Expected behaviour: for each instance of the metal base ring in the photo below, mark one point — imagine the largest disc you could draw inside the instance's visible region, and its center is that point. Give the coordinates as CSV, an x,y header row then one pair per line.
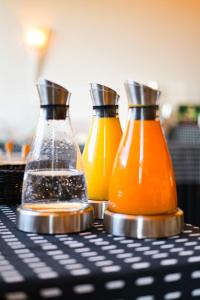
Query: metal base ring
x,y
99,207
57,222
156,226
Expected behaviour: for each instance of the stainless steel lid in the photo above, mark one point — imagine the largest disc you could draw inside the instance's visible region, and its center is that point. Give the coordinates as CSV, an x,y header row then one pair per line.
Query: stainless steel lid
x,y
51,93
103,95
140,94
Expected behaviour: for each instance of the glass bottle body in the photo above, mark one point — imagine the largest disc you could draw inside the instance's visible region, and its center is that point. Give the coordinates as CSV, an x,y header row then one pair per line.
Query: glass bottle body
x,y
54,177
142,181
100,150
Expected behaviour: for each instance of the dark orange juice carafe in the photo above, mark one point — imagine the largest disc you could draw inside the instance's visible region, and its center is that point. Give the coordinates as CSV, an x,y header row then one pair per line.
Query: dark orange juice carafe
x,y
142,194
101,146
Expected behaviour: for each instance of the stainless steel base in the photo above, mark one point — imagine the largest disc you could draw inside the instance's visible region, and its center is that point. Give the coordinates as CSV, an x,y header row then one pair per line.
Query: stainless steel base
x,y
99,208
144,226
54,222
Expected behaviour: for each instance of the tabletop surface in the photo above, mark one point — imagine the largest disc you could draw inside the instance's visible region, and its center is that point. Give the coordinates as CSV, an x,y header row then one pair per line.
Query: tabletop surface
x,y
96,265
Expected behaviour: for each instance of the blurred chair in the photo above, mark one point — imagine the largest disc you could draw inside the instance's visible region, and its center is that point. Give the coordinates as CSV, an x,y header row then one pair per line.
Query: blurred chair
x,y
184,146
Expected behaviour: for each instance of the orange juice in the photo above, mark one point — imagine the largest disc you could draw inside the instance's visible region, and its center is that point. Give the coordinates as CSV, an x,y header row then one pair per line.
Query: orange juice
x,y
99,154
142,181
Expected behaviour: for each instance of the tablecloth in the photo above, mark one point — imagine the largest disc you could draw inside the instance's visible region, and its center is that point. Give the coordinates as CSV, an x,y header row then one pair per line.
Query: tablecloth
x,y
96,265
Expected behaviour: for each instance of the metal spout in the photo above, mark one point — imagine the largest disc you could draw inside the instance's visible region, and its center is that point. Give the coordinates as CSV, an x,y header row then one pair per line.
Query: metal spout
x,y
103,95
51,93
140,94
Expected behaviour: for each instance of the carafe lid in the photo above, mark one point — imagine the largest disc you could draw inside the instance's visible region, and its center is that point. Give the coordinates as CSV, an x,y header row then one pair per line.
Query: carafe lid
x,y
103,95
140,94
51,93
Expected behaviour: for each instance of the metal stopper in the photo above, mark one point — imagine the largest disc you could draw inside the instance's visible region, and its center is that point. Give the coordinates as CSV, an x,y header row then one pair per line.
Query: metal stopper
x,y
140,94
51,93
103,95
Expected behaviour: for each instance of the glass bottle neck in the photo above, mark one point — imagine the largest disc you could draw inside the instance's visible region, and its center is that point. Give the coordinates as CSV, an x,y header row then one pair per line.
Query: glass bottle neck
x,y
54,112
110,111
144,113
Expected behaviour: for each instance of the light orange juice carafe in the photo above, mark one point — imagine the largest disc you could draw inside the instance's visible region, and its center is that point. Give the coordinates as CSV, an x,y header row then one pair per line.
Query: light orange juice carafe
x,y
142,195
101,146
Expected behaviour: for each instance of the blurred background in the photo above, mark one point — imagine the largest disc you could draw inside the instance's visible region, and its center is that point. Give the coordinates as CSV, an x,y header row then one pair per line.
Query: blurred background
x,y
77,42
96,41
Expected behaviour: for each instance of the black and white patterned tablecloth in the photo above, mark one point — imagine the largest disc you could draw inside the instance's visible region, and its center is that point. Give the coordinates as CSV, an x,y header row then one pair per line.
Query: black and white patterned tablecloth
x,y
96,265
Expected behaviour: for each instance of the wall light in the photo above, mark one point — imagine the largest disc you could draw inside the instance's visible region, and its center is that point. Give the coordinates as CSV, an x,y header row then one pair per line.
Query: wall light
x,y
37,38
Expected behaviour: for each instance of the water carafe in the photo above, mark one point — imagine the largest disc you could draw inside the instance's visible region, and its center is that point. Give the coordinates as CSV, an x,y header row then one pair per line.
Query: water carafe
x,y
101,145
142,194
54,195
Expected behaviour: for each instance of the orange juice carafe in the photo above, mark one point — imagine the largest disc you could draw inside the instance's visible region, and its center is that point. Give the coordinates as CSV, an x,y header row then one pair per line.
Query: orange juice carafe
x,y
142,194
101,146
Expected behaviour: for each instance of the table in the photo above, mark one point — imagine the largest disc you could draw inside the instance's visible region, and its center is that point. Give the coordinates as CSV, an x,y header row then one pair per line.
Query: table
x,y
96,265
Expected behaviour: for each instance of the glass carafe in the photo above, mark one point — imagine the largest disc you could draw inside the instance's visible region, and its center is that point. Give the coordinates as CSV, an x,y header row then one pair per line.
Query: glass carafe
x,y
54,183
142,181
101,145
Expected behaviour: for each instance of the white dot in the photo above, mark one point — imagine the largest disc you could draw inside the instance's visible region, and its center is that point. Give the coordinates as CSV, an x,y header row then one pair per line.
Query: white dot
x,y
109,247
104,263
172,277
173,295
67,261
80,272
47,275
102,243
142,249
54,252
190,244
158,243
176,249
83,288
167,262
149,297
132,259
124,255
61,256
82,250
116,251
14,278
195,274
134,245
196,293
151,252
181,240
141,265
96,258
144,280
51,292
194,259
185,253
127,242
86,254
74,266
16,296
167,246
160,255
76,245
111,269
194,234
116,284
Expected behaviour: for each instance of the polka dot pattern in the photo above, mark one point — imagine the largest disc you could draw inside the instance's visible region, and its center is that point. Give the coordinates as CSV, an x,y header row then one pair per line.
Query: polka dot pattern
x,y
96,265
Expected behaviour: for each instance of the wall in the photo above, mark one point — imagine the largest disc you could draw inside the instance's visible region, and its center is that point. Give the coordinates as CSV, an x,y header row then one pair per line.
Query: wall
x,y
96,41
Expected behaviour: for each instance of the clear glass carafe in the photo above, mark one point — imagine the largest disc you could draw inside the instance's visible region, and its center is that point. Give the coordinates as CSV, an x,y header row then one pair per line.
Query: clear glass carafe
x,y
54,180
